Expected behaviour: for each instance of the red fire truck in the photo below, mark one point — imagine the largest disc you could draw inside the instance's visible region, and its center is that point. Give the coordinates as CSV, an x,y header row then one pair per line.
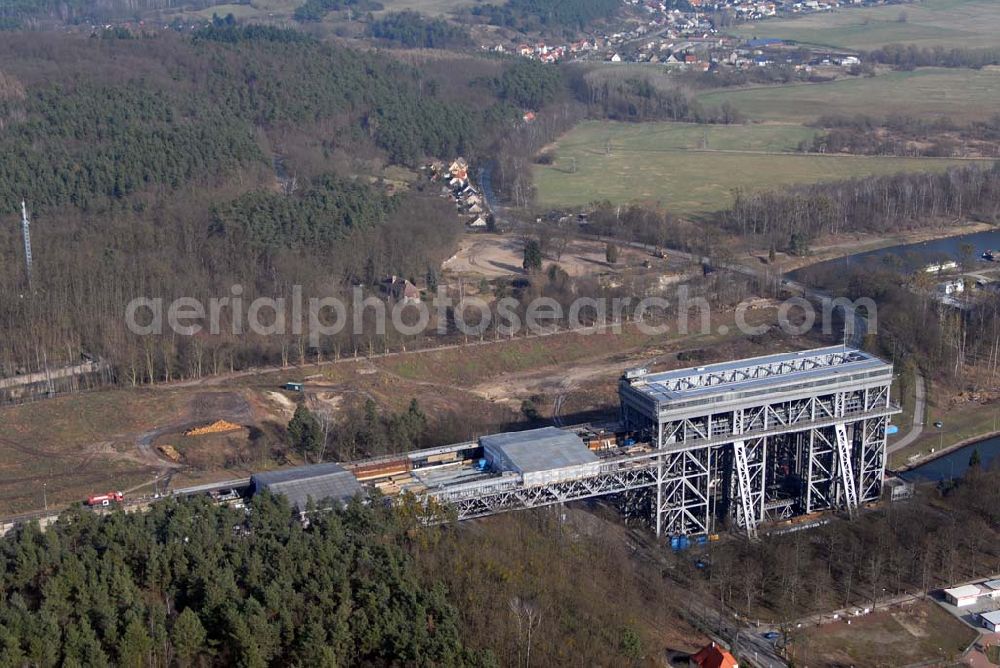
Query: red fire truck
x,y
105,499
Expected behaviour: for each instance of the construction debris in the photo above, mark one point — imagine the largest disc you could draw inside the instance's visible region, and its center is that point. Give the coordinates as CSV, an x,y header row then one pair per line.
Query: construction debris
x,y
170,452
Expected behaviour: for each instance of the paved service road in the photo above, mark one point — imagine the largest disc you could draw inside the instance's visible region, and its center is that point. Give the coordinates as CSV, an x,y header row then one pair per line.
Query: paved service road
x,y
918,418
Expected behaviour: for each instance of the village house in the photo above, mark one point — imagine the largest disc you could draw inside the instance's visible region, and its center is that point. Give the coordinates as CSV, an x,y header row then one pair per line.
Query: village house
x,y
401,290
713,656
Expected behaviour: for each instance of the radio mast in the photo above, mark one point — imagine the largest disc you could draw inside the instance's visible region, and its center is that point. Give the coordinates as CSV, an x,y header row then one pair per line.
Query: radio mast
x,y
26,233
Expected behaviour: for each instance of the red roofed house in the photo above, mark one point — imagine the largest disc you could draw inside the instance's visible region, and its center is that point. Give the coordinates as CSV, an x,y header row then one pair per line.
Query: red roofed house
x,y
713,656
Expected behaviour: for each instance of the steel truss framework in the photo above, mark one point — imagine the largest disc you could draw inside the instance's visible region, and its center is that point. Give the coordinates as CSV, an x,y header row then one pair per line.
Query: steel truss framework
x,y
768,458
490,500
688,484
771,460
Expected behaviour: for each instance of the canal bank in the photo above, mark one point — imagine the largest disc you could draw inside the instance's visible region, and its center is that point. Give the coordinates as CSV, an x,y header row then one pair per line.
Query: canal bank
x,y
953,461
912,256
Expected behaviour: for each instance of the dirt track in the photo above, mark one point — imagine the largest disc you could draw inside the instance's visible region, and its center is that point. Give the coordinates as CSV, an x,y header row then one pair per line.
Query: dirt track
x,y
494,255
203,407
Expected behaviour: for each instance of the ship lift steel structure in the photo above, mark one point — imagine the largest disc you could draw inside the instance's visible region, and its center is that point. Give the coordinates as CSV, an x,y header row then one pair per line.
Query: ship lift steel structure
x,y
749,441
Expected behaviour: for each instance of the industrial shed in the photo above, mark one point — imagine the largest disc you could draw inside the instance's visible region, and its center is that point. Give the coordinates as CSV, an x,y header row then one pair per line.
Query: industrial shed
x,y
991,621
541,456
962,596
319,481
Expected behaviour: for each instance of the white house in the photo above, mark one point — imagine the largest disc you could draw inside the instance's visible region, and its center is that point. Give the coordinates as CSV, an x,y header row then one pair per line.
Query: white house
x,y
991,621
962,596
951,287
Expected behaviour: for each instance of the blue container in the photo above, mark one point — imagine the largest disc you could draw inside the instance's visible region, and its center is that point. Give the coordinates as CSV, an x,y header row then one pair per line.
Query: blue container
x,y
892,429
675,542
701,540
628,442
481,464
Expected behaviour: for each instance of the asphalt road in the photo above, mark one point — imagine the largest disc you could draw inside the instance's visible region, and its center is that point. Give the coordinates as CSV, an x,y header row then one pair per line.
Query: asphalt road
x,y
918,418
745,641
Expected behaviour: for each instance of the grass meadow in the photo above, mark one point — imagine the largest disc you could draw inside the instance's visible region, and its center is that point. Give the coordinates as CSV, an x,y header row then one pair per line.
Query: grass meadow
x,y
960,94
947,23
692,169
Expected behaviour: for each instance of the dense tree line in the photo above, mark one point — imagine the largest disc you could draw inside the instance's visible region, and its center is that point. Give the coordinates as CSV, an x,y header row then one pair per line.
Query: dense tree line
x,y
71,145
912,125
254,76
958,348
510,173
276,80
410,131
314,218
648,225
525,570
908,57
367,432
191,583
948,537
870,204
148,170
725,77
226,31
529,84
905,136
90,144
550,15
315,10
18,13
414,30
629,95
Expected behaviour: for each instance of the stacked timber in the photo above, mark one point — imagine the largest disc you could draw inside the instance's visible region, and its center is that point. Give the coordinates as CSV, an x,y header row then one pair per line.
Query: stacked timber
x,y
170,452
217,427
443,458
382,469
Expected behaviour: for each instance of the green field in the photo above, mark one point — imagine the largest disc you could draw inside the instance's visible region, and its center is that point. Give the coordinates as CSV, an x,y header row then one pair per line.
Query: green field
x,y
959,94
429,7
948,23
667,162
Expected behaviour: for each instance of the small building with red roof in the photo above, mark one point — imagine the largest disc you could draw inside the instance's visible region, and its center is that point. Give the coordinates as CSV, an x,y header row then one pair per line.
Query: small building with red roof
x,y
713,656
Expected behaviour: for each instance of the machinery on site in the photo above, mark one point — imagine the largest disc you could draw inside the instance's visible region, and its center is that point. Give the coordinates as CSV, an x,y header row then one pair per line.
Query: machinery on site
x,y
98,500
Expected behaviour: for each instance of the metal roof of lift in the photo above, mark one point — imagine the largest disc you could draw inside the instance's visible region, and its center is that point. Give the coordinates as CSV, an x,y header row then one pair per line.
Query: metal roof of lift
x,y
769,371
539,449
